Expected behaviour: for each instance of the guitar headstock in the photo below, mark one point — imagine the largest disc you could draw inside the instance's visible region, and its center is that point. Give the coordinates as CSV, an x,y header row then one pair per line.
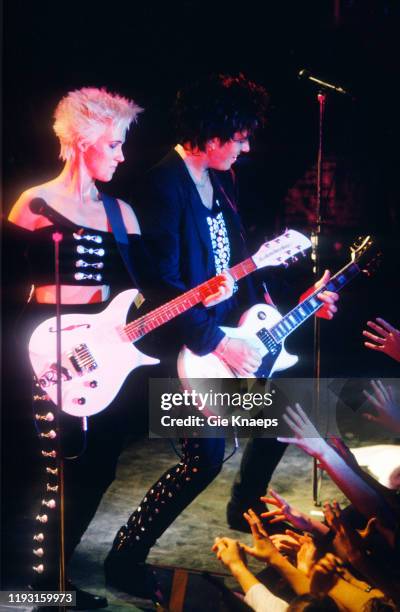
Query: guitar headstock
x,y
365,253
281,249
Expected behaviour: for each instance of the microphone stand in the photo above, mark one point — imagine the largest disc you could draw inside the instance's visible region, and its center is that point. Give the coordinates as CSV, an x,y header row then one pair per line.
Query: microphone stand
x,y
315,256
57,237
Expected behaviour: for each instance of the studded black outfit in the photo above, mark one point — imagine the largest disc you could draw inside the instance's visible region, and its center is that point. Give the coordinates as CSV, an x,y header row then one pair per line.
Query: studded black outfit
x,y
31,485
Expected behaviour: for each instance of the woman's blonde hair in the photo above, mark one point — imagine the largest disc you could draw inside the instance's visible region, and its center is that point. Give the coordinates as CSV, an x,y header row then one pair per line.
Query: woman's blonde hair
x,y
82,115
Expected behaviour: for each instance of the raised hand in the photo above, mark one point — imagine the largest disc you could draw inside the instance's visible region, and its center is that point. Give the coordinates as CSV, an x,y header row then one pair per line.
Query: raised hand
x,y
385,338
306,435
388,411
325,574
347,543
263,547
307,553
283,511
229,551
285,544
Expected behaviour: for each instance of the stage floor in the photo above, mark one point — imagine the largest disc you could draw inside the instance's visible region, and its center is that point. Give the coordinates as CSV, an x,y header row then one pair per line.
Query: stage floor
x,y
188,541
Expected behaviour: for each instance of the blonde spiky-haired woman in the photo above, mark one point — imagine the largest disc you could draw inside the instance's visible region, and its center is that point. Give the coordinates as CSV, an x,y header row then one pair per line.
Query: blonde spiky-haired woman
x,y
91,125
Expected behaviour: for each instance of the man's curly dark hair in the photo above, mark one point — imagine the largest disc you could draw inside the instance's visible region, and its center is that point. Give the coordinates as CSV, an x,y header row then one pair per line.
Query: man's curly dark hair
x,y
218,106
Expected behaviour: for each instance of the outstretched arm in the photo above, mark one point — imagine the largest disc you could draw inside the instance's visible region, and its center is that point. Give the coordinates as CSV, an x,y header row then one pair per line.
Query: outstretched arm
x,y
351,482
285,512
257,596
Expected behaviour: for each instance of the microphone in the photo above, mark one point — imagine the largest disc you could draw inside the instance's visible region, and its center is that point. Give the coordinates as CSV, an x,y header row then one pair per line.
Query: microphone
x,y
305,74
38,206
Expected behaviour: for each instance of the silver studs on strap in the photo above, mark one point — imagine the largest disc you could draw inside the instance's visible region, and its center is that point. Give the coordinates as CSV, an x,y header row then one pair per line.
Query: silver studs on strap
x,y
85,264
88,237
82,249
82,276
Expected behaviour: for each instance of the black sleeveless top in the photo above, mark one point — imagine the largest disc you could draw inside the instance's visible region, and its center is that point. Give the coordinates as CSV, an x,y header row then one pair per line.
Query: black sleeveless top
x,y
88,257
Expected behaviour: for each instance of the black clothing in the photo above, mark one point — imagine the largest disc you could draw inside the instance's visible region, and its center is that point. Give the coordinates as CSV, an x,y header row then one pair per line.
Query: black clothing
x,y
89,474
87,256
176,227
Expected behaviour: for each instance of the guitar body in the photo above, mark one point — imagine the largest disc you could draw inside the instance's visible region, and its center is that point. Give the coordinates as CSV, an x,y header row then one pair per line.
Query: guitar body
x,y
96,356
257,318
98,351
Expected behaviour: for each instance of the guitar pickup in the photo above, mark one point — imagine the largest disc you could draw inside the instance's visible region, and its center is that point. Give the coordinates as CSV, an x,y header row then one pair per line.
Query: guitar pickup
x,y
82,359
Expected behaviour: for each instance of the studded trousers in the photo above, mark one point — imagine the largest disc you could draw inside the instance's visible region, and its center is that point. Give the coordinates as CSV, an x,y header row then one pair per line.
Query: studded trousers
x,y
201,462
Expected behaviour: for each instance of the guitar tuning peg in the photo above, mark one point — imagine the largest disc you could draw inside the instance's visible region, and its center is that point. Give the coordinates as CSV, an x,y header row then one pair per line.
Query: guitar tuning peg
x,y
294,259
285,264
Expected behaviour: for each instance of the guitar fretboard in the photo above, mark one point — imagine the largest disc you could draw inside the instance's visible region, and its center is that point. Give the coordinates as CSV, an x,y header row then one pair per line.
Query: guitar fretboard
x,y
147,323
306,309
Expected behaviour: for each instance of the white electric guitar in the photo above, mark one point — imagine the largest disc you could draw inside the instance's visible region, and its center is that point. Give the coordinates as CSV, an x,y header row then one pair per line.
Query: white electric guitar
x,y
266,329
98,350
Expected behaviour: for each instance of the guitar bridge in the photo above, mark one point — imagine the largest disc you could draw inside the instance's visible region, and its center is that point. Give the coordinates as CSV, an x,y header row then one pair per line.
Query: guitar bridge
x,y
82,359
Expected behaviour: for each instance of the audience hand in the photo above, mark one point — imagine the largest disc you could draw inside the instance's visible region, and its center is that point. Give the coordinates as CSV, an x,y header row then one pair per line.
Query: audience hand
x,y
285,544
347,543
263,547
387,341
383,400
325,574
307,436
283,512
229,551
307,553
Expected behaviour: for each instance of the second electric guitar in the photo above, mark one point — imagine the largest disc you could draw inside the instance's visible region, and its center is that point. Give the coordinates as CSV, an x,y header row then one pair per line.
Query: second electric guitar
x,y
266,329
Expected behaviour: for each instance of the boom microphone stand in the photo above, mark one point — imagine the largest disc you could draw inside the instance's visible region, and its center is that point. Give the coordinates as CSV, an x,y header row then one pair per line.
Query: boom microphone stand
x,y
315,256
323,88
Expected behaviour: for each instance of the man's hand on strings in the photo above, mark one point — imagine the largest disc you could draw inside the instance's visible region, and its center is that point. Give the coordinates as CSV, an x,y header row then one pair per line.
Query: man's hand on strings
x,y
224,291
328,298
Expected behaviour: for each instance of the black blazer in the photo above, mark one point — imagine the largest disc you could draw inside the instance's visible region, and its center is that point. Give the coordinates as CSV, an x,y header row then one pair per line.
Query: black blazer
x,y
174,227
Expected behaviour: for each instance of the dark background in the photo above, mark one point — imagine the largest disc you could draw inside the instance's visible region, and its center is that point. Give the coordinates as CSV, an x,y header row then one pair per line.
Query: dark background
x,y
148,50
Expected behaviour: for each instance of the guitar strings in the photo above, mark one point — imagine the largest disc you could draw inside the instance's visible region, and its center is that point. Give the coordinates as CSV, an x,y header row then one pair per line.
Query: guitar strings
x,y
138,325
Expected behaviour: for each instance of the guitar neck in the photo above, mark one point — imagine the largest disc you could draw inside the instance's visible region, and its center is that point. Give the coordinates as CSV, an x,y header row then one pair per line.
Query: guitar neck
x,y
312,304
147,323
